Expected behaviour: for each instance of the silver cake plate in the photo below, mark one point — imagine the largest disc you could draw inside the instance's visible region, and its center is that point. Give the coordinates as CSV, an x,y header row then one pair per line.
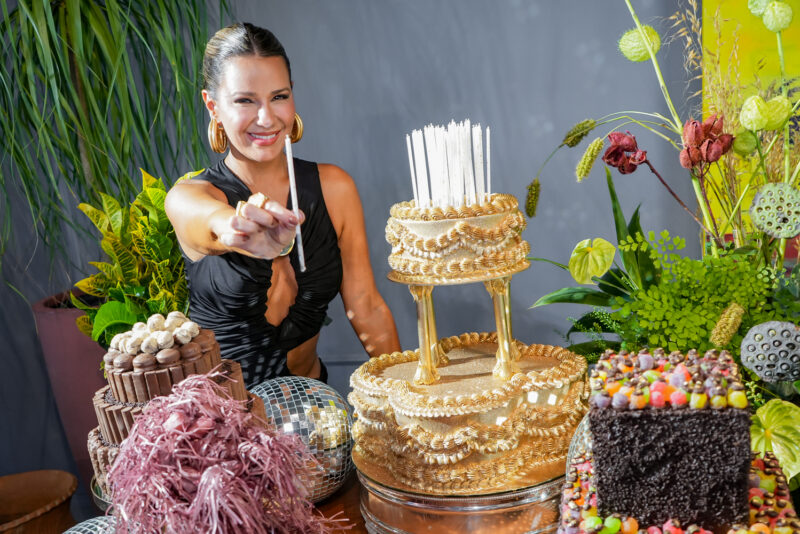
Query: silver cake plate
x,y
531,510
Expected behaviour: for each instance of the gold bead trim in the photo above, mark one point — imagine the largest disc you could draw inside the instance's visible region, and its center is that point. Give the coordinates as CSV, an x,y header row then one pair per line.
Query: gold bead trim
x,y
366,380
498,203
431,448
462,235
507,259
474,476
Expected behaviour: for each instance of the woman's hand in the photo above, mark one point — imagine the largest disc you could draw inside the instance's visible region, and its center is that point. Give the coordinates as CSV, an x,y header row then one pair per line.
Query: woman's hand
x,y
261,228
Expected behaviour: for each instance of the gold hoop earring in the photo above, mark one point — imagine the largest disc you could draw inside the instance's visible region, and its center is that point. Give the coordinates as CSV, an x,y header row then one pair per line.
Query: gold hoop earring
x,y
216,137
297,129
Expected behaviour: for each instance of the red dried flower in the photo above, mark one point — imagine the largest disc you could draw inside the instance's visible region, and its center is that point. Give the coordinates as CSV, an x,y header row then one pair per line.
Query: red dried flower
x,y
704,143
624,153
692,133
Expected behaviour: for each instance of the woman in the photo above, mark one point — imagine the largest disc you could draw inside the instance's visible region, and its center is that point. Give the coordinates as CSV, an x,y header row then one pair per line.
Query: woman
x,y
243,272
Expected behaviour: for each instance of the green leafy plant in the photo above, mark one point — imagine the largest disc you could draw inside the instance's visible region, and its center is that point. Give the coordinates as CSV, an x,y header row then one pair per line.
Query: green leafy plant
x,y
753,150
144,274
89,88
776,427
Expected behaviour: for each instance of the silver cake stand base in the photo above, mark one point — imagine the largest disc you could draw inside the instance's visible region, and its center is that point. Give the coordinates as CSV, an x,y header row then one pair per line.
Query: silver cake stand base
x,y
531,510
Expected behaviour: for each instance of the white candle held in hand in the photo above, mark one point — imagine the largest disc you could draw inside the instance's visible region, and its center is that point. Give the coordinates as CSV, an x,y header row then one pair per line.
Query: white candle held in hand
x,y
293,192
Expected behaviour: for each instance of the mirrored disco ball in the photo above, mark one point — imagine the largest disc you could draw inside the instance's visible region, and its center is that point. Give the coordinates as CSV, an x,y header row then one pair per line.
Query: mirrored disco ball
x,y
319,415
103,524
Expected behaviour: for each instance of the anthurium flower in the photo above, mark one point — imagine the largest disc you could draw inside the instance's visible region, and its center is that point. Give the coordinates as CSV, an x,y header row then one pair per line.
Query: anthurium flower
x,y
591,258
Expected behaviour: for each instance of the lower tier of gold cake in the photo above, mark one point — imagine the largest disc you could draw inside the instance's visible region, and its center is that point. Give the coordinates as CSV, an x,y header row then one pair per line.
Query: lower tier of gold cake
x,y
469,433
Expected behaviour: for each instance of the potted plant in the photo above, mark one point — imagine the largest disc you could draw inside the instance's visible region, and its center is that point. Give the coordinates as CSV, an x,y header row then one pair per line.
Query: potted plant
x,y
91,89
744,168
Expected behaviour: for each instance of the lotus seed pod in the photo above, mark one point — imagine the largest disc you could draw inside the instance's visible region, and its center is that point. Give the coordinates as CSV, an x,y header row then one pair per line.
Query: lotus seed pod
x,y
133,343
177,314
777,16
150,344
182,335
778,111
173,322
633,46
754,113
192,327
155,322
776,210
115,341
772,351
757,7
165,339
744,143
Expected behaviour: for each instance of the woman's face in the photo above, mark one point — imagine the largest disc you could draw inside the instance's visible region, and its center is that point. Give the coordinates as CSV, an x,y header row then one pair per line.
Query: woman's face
x,y
255,106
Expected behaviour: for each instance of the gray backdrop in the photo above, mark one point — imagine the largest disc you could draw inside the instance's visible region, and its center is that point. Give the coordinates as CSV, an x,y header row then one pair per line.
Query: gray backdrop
x,y
366,72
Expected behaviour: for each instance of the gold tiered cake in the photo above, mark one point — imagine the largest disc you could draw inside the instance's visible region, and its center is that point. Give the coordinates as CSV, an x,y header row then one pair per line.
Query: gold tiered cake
x,y
144,363
476,413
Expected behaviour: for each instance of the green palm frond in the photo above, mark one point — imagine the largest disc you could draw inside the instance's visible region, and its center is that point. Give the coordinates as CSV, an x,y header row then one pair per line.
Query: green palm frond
x,y
90,91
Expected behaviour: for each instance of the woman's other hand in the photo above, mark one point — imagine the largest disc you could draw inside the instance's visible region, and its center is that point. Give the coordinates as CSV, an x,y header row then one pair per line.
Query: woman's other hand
x,y
262,229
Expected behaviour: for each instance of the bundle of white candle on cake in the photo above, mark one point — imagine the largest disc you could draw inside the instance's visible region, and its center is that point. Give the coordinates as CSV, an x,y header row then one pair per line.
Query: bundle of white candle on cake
x,y
447,165
455,229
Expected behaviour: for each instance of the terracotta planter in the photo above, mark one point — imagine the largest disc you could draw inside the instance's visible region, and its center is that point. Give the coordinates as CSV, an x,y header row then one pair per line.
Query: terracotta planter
x,y
73,366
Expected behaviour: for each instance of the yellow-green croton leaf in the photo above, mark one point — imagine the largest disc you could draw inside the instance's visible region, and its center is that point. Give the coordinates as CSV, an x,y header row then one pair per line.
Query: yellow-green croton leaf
x,y
591,258
776,427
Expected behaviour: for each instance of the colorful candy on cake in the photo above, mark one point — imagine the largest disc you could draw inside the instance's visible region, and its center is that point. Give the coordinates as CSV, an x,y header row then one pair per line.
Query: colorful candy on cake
x,y
770,508
670,446
147,362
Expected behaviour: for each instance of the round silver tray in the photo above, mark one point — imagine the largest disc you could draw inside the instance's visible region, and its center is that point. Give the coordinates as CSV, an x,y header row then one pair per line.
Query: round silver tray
x,y
531,510
100,499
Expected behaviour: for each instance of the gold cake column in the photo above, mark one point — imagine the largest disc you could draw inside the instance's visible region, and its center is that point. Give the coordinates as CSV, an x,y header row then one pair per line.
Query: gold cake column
x,y
507,351
426,327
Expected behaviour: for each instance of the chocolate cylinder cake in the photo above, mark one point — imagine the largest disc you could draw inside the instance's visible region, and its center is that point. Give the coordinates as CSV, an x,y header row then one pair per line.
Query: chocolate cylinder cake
x,y
146,362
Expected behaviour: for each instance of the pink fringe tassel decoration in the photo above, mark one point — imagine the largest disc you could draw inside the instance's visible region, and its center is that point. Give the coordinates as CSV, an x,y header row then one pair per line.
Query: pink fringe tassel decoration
x,y
196,461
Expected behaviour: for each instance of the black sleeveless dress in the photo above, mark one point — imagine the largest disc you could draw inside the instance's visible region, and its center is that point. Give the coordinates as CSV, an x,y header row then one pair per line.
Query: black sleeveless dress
x,y
228,292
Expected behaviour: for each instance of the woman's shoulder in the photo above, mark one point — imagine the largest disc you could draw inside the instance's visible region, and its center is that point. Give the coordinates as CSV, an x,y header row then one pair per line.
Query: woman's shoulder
x,y
335,181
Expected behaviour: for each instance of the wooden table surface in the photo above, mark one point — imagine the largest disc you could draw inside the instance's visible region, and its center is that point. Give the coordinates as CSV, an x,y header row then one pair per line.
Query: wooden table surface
x,y
346,501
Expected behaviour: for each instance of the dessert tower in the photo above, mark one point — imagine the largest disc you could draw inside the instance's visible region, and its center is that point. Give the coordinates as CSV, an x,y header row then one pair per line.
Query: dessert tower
x,y
479,413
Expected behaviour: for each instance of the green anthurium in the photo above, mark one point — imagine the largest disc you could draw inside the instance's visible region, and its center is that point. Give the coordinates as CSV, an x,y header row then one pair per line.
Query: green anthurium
x,y
591,258
776,427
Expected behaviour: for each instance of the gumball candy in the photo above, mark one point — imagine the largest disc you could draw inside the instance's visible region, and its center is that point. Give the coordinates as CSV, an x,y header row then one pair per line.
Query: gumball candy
x,y
719,402
657,399
678,398
760,527
611,525
767,484
677,379
651,375
783,530
670,528
630,526
591,523
646,362
619,401
659,386
601,400
653,530
613,387
626,390
638,401
737,399
698,401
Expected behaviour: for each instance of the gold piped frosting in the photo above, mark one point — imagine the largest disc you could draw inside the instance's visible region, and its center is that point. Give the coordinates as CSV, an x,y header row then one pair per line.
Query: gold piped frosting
x,y
455,245
468,432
